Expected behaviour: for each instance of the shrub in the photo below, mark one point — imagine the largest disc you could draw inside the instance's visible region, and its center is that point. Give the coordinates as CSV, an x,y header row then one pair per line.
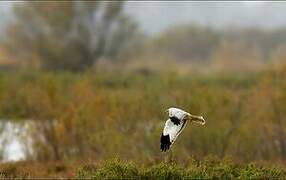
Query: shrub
x,y
111,169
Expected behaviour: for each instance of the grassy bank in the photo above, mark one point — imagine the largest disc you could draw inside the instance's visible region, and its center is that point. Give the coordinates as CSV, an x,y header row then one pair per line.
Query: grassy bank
x,y
209,168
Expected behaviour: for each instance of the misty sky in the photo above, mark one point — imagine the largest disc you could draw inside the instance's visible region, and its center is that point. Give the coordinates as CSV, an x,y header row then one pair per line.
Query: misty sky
x,y
157,16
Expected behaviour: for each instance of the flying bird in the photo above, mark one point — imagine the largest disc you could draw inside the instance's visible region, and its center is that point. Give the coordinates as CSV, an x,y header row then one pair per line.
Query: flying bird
x,y
175,124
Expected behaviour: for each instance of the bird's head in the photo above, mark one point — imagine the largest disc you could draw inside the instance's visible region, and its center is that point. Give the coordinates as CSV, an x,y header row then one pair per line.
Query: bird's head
x,y
175,112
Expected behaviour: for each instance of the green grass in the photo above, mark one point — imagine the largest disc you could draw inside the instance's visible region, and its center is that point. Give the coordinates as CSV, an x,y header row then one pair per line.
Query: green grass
x,y
206,169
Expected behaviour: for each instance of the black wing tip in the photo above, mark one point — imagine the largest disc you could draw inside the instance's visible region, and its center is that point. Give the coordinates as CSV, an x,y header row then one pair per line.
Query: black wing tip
x,y
165,143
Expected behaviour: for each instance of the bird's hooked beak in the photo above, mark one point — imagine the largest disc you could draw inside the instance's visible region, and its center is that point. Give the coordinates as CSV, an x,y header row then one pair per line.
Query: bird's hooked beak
x,y
197,119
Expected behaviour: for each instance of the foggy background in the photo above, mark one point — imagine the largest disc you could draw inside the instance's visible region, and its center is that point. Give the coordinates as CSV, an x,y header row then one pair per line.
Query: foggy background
x,y
91,79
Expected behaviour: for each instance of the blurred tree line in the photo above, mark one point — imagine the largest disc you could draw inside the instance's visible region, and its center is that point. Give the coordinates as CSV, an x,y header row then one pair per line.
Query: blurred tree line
x,y
70,35
76,35
196,47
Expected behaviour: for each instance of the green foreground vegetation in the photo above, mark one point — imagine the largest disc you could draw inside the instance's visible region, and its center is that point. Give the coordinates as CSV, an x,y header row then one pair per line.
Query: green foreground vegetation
x,y
209,168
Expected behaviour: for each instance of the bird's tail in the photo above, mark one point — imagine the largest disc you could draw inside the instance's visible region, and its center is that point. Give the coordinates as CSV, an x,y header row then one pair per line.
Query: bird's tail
x,y
198,119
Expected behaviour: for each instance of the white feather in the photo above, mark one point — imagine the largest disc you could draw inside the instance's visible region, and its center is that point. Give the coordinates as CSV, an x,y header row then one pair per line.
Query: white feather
x,y
173,130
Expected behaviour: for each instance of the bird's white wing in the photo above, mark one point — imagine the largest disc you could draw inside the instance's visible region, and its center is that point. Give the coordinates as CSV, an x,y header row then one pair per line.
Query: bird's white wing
x,y
170,133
